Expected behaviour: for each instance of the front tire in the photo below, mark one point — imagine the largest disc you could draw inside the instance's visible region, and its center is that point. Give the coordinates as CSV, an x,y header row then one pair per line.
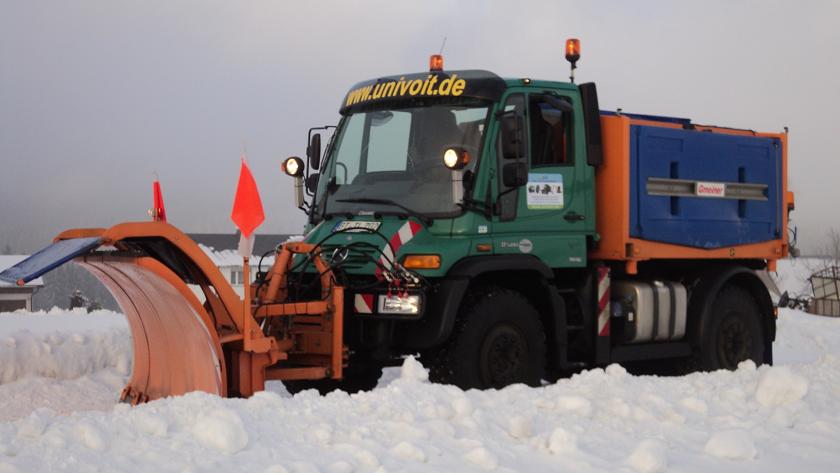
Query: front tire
x,y
358,376
498,340
734,333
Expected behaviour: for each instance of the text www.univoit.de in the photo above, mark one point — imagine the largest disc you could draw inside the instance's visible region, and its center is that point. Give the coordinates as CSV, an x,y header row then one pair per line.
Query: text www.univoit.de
x,y
451,86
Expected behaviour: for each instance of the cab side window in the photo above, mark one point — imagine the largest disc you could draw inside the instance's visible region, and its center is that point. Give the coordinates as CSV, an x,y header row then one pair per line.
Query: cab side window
x,y
551,133
514,105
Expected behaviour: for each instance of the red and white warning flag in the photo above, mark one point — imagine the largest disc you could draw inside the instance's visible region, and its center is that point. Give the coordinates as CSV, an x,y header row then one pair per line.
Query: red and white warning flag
x,y
247,211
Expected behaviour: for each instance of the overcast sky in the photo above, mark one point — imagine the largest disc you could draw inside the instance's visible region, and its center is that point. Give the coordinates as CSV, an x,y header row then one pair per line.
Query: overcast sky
x,y
96,96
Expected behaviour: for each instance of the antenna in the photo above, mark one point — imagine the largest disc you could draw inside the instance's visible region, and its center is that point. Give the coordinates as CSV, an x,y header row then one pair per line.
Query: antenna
x,y
443,45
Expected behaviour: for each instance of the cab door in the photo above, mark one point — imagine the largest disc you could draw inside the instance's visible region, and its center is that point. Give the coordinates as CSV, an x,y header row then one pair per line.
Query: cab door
x,y
547,216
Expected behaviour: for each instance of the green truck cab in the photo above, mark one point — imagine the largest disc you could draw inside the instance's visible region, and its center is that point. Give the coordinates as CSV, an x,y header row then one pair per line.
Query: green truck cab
x,y
459,211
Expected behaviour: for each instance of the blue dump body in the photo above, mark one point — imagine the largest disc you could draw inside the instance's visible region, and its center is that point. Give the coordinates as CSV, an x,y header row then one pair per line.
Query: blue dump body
x,y
704,160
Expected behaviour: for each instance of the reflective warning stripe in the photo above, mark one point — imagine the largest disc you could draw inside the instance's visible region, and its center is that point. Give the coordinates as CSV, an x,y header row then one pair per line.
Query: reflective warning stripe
x,y
398,239
363,303
603,301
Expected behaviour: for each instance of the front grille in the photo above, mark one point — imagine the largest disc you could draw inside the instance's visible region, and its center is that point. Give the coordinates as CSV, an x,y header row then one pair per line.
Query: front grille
x,y
357,257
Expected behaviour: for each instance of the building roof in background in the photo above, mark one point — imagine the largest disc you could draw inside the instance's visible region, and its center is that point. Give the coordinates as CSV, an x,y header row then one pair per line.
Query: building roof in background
x,y
232,258
230,241
7,261
223,248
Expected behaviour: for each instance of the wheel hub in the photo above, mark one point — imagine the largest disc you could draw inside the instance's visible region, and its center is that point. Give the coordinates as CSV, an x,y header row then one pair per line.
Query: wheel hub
x,y
734,342
503,356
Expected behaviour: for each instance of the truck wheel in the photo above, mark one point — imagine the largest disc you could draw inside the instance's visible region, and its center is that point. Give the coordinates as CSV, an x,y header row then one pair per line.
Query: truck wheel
x,y
358,377
497,341
734,334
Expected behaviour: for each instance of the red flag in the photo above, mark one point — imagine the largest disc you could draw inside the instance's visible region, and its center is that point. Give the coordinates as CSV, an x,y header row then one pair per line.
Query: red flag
x,y
247,207
158,211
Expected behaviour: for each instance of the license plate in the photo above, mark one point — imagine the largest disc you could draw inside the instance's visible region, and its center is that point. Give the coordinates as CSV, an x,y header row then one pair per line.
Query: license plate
x,y
357,226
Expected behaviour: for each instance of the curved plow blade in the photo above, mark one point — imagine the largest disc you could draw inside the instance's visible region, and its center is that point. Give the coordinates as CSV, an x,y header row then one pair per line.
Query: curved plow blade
x,y
174,352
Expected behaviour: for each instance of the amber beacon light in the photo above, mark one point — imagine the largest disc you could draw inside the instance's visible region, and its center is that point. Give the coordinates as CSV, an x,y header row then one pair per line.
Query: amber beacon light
x,y
435,63
572,55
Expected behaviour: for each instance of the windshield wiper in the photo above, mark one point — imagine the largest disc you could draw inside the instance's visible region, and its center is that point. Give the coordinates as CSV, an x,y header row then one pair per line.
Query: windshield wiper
x,y
367,200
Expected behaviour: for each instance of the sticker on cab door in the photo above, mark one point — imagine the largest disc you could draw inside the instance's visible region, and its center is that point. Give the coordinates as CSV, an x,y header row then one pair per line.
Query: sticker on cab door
x,y
545,191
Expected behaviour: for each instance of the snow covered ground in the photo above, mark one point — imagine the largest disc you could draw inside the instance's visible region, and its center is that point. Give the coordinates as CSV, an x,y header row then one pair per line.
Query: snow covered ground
x,y
60,376
63,360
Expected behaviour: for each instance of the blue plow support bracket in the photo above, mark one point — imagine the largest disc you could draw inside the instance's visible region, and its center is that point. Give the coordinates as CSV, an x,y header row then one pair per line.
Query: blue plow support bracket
x,y
48,259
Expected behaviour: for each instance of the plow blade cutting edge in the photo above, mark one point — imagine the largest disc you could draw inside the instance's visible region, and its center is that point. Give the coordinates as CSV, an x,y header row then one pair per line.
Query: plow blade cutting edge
x,y
190,330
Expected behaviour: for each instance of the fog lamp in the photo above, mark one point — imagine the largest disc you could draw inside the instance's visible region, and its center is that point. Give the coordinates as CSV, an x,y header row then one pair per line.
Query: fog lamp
x,y
399,304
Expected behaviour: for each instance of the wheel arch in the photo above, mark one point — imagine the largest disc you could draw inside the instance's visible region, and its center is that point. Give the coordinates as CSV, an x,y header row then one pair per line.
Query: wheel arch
x,y
527,275
708,285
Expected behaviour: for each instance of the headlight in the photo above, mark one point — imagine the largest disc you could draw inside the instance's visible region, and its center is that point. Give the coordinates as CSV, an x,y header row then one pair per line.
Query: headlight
x,y
456,158
293,166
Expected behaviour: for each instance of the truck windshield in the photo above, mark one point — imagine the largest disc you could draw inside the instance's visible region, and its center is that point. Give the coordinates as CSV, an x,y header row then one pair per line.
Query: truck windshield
x,y
396,155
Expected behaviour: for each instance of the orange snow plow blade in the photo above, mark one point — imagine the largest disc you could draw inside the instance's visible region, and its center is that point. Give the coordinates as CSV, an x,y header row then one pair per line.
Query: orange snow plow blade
x,y
192,332
174,352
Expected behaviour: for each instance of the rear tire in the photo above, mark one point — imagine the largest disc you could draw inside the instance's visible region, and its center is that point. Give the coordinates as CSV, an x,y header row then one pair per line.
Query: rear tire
x,y
497,341
734,333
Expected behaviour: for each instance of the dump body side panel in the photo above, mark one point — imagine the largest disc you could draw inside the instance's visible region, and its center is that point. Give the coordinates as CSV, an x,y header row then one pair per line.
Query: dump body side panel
x,y
697,174
635,225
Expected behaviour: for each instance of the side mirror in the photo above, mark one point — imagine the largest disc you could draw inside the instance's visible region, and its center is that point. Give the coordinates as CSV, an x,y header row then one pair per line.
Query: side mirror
x,y
313,151
592,124
312,182
512,132
515,175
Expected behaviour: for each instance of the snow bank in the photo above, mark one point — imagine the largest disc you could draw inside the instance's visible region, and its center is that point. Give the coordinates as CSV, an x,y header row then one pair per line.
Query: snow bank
x,y
220,429
62,345
63,360
779,385
732,445
646,424
768,419
60,320
650,456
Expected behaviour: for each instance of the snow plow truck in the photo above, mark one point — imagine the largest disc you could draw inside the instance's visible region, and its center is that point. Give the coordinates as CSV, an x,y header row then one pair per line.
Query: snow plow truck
x,y
506,230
